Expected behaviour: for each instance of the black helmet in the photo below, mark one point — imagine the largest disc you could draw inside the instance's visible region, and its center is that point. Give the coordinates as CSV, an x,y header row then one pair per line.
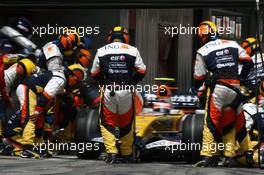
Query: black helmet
x,y
23,26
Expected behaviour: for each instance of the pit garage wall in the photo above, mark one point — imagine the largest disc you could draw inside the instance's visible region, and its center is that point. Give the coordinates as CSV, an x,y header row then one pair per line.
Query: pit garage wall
x,y
147,24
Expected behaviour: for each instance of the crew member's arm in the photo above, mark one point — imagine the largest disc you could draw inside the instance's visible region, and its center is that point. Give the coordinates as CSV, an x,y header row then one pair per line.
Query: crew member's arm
x,y
96,70
140,69
10,76
54,87
53,59
246,61
200,71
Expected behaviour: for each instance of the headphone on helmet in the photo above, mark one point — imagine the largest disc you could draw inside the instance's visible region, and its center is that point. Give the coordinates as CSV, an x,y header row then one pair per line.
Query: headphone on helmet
x,y
118,32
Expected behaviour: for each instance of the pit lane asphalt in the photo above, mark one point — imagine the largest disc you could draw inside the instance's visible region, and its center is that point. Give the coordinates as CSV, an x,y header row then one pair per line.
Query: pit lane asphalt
x,y
73,165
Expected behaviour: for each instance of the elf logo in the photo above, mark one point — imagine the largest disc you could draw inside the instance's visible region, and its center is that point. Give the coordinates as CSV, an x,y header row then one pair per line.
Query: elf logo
x,y
222,52
118,58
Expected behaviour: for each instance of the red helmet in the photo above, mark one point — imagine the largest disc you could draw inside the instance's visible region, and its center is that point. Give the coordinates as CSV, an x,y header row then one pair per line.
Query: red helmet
x,y
69,39
118,32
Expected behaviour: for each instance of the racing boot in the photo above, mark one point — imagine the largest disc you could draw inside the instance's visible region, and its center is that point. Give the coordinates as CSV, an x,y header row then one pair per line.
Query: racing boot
x,y
112,159
11,148
30,152
261,154
5,147
103,156
44,151
230,162
17,151
249,159
8,150
127,159
208,162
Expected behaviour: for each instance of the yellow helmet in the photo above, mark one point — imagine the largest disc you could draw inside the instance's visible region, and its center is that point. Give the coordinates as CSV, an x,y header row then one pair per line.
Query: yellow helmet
x,y
120,33
250,45
207,31
77,74
25,68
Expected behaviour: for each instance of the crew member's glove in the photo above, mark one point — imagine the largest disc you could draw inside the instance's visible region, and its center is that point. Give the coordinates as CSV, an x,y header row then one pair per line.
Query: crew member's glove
x,y
202,95
38,112
78,102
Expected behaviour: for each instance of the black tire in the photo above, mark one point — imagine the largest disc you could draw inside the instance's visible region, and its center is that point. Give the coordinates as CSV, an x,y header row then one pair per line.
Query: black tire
x,y
87,127
192,135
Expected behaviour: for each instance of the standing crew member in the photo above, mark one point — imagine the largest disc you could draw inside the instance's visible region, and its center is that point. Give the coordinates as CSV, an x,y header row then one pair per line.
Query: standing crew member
x,y
14,75
219,59
117,63
250,86
252,49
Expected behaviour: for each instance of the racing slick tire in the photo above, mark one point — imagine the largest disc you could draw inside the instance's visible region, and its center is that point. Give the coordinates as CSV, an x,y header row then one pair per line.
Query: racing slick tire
x,y
87,127
192,136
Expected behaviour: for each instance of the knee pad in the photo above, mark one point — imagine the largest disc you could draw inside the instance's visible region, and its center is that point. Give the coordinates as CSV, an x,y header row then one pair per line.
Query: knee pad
x,y
249,159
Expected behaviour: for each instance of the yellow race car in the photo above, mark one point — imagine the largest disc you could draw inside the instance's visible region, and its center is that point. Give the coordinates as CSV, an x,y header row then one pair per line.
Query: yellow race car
x,y
170,126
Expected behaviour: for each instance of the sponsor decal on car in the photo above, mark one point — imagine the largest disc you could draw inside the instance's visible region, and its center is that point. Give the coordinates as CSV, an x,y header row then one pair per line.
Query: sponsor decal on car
x,y
162,143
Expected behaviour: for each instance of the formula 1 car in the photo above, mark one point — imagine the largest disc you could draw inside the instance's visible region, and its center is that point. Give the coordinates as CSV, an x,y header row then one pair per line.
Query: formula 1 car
x,y
170,124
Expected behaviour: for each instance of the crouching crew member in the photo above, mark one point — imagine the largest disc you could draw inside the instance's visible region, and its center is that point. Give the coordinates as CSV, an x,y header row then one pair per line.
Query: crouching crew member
x,y
36,98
